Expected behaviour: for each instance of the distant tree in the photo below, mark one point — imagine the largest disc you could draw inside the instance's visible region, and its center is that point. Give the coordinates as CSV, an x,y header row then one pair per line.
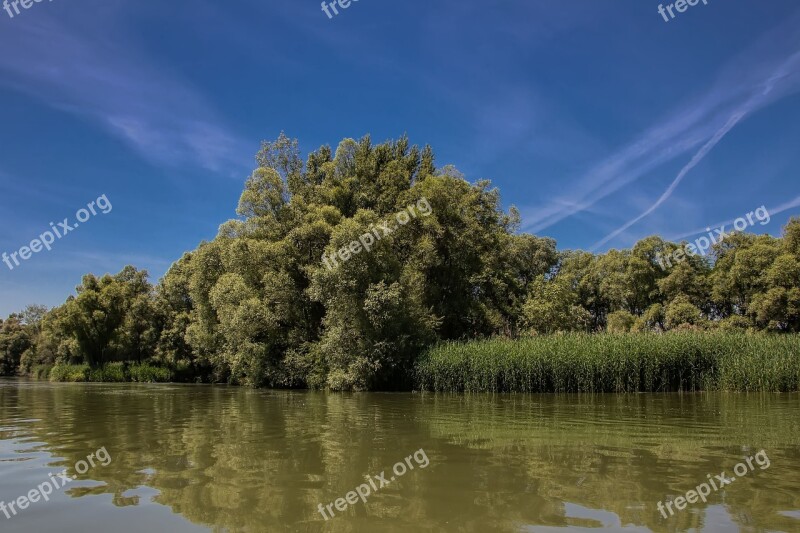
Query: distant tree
x,y
652,319
33,315
620,321
15,339
680,312
111,317
553,307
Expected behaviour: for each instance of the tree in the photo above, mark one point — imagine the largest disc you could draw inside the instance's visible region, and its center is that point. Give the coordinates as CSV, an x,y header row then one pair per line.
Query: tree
x,y
33,315
620,321
682,312
553,307
15,339
110,317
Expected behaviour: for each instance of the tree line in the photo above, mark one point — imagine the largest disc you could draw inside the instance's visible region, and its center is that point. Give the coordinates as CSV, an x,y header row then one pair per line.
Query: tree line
x,y
256,305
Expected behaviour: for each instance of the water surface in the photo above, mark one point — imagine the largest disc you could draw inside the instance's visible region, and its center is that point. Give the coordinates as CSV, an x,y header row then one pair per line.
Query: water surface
x,y
201,458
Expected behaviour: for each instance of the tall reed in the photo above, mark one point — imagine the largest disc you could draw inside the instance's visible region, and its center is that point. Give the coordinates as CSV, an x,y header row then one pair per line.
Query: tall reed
x,y
637,362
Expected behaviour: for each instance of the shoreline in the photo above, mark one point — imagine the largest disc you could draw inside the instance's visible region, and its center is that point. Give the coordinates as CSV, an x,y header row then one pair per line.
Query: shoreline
x,y
676,362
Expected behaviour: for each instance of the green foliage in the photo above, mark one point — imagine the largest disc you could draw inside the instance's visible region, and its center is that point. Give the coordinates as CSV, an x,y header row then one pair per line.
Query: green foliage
x,y
651,320
257,306
109,373
111,318
70,373
145,373
681,361
15,340
620,321
681,312
41,371
264,310
554,307
734,323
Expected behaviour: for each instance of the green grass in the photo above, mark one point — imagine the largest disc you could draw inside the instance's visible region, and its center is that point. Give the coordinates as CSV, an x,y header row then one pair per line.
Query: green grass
x,y
109,373
637,362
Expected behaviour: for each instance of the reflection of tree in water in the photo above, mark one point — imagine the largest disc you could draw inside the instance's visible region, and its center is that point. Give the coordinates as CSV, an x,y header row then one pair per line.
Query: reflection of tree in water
x,y
625,453
246,460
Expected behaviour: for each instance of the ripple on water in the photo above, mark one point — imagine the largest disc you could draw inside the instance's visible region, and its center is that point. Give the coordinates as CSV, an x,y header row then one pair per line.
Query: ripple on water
x,y
241,460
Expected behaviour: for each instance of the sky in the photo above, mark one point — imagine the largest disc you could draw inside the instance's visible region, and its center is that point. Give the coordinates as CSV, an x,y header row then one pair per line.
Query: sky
x,y
601,121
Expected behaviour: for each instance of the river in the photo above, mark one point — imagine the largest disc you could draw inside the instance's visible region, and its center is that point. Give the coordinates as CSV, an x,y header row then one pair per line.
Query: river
x,y
213,458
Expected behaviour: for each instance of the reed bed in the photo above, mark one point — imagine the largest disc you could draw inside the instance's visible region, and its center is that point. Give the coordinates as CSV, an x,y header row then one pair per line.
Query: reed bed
x,y
619,363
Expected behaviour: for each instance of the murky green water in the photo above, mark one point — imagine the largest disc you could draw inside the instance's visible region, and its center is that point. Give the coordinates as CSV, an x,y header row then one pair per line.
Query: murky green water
x,y
198,458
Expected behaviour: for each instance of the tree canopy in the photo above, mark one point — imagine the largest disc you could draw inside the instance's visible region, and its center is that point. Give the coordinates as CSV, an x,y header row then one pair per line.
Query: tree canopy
x,y
257,305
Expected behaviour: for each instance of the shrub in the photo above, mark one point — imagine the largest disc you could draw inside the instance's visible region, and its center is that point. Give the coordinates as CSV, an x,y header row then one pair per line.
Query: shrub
x,y
146,373
41,371
651,320
109,373
70,373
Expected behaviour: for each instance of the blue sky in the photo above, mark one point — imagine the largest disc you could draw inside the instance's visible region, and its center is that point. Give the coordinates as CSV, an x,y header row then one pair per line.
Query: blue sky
x,y
600,121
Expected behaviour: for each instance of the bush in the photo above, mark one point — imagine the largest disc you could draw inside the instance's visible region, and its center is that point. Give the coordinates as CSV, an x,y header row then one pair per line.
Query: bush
x,y
41,371
651,320
70,373
109,373
146,373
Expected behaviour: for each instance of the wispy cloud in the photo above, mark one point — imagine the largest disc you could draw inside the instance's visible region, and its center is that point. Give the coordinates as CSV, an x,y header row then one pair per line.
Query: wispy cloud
x,y
773,211
674,185
763,97
83,70
763,74
791,204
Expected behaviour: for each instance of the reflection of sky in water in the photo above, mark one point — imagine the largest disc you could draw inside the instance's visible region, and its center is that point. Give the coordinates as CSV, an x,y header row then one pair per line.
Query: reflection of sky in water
x,y
81,506
717,519
585,519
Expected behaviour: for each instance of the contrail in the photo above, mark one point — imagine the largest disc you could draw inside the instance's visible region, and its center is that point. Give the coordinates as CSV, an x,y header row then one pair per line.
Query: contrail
x,y
791,204
757,76
755,102
682,174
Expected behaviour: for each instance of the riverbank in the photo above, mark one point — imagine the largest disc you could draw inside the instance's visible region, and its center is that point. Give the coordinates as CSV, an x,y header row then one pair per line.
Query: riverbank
x,y
622,363
572,363
109,373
